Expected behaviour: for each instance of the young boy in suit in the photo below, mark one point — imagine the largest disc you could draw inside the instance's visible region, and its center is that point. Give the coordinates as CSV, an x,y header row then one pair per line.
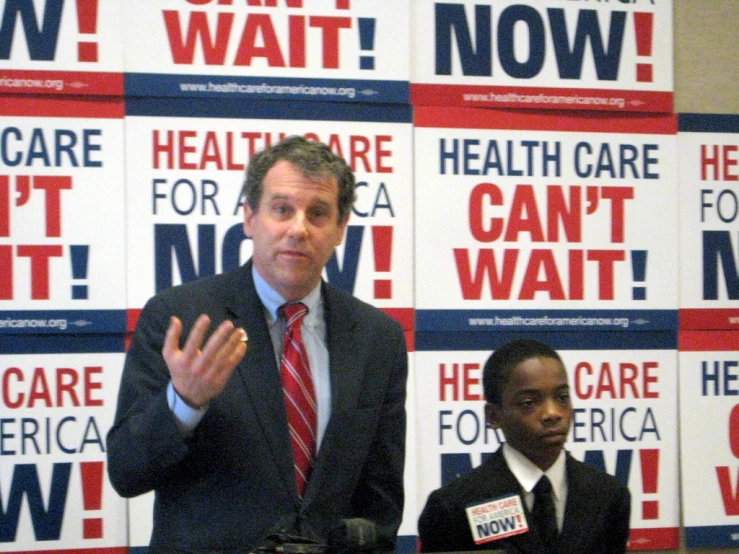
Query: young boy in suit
x,y
577,509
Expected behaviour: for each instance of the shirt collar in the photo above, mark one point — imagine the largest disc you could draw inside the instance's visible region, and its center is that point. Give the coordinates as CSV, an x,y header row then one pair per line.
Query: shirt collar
x,y
272,300
528,474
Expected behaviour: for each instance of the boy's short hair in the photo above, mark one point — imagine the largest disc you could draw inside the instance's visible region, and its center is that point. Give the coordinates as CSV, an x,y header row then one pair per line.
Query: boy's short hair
x,y
501,363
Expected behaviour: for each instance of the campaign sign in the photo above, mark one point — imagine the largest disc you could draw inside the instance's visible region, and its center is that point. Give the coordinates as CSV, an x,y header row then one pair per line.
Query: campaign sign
x,y
329,50
497,519
62,264
624,418
708,162
140,522
185,174
56,47
543,54
54,492
709,437
544,221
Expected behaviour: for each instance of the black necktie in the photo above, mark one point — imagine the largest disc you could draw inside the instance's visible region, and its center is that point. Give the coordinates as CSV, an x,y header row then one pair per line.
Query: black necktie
x,y
543,514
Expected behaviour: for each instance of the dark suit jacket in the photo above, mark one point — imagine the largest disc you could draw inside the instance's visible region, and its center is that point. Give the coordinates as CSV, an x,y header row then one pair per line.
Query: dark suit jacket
x,y
596,517
232,482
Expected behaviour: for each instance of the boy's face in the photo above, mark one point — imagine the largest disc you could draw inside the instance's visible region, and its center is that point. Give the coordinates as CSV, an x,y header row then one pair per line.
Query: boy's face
x,y
535,410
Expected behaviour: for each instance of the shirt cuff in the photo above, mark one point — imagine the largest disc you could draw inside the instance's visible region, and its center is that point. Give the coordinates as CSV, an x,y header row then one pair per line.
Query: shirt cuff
x,y
187,418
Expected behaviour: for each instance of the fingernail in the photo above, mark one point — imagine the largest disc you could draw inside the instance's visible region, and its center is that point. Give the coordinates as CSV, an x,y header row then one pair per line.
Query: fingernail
x,y
244,336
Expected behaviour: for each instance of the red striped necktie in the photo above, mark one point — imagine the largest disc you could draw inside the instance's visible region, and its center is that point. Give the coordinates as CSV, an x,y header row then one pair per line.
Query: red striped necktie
x,y
300,397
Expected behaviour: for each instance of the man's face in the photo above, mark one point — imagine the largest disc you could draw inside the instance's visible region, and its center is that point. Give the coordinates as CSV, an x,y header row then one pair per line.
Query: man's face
x,y
295,230
535,410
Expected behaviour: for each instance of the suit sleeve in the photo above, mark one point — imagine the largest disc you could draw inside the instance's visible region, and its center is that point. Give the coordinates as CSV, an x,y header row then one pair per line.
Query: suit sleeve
x,y
144,442
379,494
621,522
441,527
431,525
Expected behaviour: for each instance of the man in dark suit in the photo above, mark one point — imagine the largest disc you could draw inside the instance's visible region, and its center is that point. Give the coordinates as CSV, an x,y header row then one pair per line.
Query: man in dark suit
x,y
204,424
581,511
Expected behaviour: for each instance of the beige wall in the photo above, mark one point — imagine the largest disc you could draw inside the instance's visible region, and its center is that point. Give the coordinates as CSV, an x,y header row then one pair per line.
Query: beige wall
x,y
706,56
706,79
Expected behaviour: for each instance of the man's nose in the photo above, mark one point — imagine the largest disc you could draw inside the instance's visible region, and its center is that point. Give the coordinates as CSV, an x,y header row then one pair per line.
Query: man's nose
x,y
298,224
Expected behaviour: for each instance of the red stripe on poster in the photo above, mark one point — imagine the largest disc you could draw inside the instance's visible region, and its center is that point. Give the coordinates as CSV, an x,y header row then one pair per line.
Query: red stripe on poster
x,y
525,120
654,539
708,341
132,319
711,318
78,83
88,107
405,316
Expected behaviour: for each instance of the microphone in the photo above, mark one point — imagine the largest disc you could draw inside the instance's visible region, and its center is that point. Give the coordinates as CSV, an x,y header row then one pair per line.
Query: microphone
x,y
282,540
353,535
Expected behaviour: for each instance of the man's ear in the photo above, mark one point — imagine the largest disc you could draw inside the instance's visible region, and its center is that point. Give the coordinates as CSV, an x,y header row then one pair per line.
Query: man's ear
x,y
248,218
341,230
492,415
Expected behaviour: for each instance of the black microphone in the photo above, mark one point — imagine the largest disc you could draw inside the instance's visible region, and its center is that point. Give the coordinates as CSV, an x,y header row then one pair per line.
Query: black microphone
x,y
282,540
353,535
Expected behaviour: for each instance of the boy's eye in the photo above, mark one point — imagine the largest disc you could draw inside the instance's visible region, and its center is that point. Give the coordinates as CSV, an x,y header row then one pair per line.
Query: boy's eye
x,y
563,396
526,403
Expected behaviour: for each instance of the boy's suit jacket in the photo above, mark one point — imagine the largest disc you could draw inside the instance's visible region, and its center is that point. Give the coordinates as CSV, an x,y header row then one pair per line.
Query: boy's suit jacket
x,y
232,482
596,517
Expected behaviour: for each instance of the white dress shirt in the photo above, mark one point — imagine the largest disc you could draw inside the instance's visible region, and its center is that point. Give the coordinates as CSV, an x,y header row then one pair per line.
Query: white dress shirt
x,y
313,329
528,474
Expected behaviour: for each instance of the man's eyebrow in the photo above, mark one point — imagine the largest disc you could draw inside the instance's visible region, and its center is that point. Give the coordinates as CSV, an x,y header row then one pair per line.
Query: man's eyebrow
x,y
322,202
277,196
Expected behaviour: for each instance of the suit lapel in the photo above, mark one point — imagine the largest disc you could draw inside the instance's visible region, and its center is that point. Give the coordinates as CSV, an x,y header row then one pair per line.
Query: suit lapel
x,y
261,376
344,343
346,378
579,493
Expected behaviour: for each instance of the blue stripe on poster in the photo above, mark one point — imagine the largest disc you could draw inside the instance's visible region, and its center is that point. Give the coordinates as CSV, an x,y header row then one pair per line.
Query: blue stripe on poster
x,y
267,109
546,320
708,123
559,340
712,536
267,88
62,322
71,344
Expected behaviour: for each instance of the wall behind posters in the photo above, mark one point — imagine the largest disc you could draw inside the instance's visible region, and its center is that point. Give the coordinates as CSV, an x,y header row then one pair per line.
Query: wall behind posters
x,y
705,52
61,261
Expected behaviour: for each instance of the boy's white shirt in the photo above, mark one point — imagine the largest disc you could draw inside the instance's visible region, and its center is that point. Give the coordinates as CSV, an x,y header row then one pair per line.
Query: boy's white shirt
x,y
528,474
